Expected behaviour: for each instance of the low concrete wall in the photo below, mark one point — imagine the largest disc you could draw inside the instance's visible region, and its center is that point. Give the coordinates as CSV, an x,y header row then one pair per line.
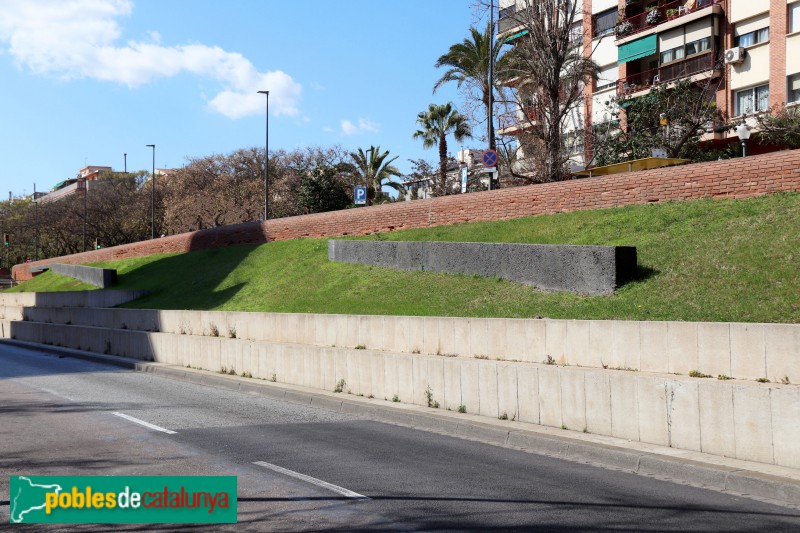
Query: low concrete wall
x,y
99,277
582,269
740,350
745,420
99,298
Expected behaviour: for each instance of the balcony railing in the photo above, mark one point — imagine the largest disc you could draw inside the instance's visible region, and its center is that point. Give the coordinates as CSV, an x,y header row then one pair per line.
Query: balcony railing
x,y
664,13
666,73
513,119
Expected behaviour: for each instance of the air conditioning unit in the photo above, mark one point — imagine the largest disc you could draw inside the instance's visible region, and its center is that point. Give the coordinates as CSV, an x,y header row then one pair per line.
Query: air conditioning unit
x,y
734,55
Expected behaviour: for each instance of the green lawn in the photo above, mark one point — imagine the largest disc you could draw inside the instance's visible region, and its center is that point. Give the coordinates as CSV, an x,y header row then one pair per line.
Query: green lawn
x,y
704,260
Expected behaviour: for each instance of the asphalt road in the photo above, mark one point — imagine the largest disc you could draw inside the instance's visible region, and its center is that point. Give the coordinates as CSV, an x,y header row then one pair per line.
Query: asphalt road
x,y
57,417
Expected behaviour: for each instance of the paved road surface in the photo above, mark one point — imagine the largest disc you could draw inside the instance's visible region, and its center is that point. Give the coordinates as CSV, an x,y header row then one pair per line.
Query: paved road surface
x,y
57,417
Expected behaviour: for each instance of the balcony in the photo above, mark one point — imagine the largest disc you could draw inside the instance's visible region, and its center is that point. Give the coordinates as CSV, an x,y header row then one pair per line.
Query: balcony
x,y
668,13
645,80
514,122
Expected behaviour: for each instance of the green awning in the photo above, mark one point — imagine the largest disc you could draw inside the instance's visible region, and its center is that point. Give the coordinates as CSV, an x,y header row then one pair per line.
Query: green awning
x,y
515,36
637,49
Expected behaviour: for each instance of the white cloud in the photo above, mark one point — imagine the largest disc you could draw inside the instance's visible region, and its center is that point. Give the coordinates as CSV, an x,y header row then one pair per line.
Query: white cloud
x,y
79,39
363,126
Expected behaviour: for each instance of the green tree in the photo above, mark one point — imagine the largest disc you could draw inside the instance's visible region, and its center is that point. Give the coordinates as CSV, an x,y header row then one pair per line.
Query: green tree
x,y
436,124
467,64
322,190
374,171
780,127
671,117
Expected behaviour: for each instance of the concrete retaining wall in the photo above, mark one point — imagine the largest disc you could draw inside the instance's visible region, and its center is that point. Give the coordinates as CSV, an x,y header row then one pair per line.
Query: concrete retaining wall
x,y
99,298
99,277
745,420
583,269
740,350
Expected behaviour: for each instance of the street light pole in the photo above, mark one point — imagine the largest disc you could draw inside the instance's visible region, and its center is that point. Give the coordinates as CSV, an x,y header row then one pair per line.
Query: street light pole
x,y
266,166
126,162
153,194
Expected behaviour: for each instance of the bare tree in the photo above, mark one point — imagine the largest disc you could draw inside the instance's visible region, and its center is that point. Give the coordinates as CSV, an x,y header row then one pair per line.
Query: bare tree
x,y
549,70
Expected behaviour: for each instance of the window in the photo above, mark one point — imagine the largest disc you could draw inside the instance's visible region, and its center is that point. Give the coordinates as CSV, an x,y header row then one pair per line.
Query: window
x,y
507,11
752,100
794,17
752,38
698,47
793,94
607,76
573,142
576,34
672,55
605,21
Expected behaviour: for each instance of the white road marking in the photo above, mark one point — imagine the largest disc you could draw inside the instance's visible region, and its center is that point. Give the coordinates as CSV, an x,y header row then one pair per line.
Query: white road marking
x,y
54,393
318,482
145,424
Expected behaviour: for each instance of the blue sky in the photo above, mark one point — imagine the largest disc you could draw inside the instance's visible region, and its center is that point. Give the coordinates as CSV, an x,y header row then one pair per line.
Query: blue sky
x,y
84,81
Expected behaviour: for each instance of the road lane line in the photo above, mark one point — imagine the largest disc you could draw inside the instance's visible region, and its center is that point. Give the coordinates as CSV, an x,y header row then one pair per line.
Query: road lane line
x,y
318,482
145,424
54,393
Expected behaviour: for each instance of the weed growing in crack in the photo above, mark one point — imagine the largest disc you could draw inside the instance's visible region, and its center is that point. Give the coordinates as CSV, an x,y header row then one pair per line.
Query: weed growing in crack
x,y
340,385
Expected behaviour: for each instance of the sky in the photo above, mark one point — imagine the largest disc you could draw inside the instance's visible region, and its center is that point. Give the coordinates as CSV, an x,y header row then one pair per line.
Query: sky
x,y
83,82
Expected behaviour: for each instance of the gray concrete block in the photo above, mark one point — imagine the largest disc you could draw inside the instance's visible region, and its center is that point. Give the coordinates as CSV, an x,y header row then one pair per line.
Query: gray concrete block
x,y
99,277
583,269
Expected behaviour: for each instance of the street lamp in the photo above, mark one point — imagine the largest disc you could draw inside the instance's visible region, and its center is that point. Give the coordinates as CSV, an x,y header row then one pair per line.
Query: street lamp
x,y
126,162
744,134
153,194
266,166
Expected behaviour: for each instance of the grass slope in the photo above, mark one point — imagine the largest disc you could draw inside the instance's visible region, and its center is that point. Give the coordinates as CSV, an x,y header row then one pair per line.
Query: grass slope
x,y
704,260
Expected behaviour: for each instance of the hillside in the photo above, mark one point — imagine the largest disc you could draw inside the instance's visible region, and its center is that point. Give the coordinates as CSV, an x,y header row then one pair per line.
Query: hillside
x,y
702,260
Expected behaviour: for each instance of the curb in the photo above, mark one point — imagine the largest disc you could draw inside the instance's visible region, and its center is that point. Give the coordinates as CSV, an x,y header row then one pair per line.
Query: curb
x,y
774,489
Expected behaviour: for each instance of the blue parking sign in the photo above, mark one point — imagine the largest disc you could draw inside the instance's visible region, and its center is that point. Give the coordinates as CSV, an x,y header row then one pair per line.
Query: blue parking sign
x,y
360,196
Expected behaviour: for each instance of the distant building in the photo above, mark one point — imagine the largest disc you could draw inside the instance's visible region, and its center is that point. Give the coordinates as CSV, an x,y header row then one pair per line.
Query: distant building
x,y
78,184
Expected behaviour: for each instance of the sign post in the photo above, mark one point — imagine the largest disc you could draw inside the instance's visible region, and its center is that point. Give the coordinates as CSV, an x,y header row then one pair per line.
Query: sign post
x,y
360,196
490,162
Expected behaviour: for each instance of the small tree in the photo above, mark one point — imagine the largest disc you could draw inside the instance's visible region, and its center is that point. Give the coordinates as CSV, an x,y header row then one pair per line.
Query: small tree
x,y
671,117
436,124
374,171
780,127
322,190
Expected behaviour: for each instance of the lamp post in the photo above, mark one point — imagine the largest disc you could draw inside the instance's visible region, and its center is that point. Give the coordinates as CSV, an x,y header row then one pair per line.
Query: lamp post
x,y
266,165
744,134
153,194
126,162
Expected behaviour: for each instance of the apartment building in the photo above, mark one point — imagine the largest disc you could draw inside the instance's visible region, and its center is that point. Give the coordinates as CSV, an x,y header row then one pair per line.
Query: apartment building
x,y
78,185
747,51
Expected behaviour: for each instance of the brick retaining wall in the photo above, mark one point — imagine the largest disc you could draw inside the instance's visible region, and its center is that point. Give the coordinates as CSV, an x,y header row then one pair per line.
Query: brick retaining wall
x,y
736,178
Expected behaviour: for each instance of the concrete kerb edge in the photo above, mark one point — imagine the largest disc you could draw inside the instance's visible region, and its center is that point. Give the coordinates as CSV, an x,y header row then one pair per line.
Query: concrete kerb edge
x,y
774,489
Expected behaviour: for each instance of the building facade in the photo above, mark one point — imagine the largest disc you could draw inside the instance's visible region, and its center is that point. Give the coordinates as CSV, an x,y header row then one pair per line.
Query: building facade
x,y
748,51
77,185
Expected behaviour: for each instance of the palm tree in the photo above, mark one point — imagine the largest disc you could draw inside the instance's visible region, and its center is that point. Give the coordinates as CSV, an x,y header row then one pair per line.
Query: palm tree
x,y
468,62
374,171
436,124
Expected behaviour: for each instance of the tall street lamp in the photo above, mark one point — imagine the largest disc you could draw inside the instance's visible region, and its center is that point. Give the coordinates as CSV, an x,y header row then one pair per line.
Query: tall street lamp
x,y
266,166
153,194
744,134
126,162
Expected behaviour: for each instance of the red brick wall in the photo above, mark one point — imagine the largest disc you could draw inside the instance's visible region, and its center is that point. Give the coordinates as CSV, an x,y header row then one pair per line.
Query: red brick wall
x,y
736,178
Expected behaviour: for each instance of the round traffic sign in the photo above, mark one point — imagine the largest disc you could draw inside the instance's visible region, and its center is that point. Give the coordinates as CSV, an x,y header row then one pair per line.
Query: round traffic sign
x,y
490,158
